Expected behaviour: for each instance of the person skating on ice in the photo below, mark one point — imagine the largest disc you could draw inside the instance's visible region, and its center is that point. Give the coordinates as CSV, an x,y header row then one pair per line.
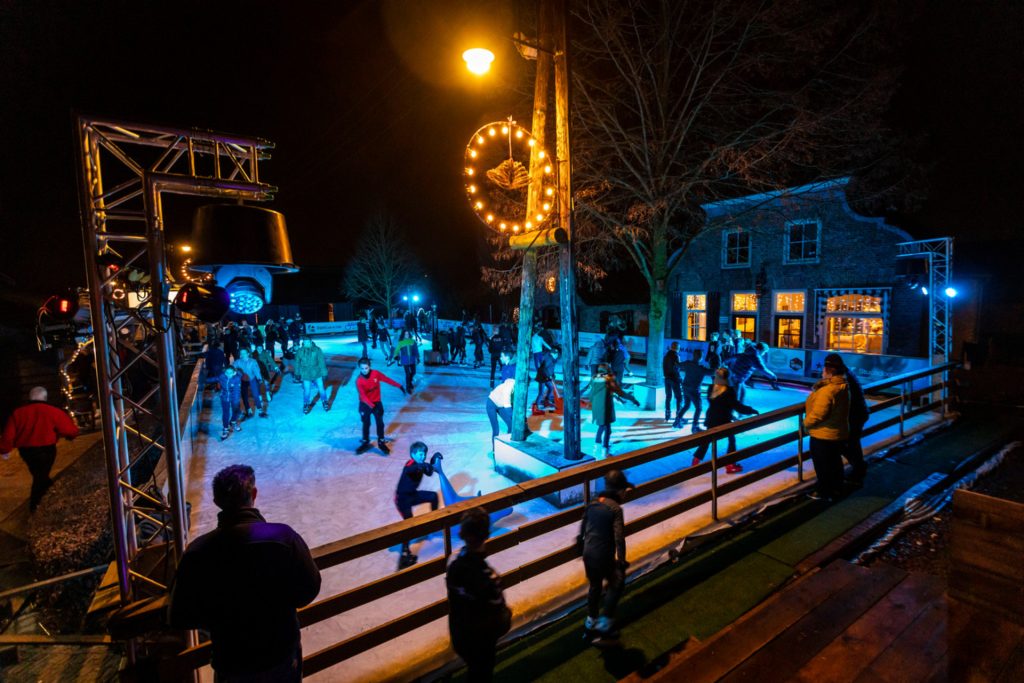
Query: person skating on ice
x,y
230,382
252,380
368,386
722,404
311,368
408,493
693,376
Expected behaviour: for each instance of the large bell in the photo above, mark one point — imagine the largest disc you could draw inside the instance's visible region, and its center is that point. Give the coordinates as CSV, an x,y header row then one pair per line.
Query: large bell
x,y
239,234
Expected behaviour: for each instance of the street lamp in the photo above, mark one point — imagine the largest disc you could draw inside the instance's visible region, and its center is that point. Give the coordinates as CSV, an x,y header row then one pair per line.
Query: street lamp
x,y
551,47
478,60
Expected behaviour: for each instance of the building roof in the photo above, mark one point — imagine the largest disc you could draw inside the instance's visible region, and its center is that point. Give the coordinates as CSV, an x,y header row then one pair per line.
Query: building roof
x,y
716,209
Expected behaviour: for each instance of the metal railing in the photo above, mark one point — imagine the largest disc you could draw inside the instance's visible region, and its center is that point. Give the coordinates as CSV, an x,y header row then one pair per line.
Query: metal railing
x,y
361,545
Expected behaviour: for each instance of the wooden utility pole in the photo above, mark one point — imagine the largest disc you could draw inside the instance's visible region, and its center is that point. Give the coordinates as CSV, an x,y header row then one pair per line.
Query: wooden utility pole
x,y
534,198
566,256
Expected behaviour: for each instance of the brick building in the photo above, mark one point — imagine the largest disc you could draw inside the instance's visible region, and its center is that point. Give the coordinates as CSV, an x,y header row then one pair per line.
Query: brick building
x,y
798,269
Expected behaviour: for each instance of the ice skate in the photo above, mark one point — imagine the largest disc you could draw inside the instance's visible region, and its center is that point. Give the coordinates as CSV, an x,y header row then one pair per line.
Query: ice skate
x,y
406,560
263,413
383,446
327,407
362,447
306,408
236,426
225,433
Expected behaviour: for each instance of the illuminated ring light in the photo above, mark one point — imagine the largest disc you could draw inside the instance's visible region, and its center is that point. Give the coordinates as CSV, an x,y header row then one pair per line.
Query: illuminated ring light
x,y
497,176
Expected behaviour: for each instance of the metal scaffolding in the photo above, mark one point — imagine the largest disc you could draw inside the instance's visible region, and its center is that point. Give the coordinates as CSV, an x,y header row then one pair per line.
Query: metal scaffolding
x,y
939,254
129,286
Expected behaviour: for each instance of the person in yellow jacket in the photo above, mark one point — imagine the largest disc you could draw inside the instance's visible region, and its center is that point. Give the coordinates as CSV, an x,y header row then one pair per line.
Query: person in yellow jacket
x,y
827,421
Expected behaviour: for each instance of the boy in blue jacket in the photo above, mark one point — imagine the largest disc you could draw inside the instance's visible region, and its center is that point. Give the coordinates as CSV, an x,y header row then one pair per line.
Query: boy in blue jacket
x,y
230,383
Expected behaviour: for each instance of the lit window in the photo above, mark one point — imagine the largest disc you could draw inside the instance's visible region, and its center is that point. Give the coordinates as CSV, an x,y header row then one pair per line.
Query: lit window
x,y
746,325
696,317
855,322
803,239
788,332
744,301
789,302
735,249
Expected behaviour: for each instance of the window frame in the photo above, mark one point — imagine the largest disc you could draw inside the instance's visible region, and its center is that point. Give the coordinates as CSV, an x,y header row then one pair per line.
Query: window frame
x,y
686,316
884,305
778,314
725,248
786,260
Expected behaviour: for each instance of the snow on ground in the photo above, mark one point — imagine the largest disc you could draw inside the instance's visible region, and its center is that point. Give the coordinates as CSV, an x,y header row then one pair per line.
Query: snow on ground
x,y
309,477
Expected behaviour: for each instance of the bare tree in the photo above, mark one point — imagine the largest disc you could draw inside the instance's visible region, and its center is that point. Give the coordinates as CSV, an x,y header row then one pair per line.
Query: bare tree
x,y
680,102
381,266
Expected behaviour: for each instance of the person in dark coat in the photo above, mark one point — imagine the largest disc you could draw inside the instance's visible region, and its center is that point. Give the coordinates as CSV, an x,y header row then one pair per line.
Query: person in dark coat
x,y
230,341
408,494
34,430
722,404
743,365
243,582
602,539
546,380
602,390
713,359
693,376
479,339
477,613
859,414
362,337
230,384
618,358
374,329
494,347
272,336
214,361
673,382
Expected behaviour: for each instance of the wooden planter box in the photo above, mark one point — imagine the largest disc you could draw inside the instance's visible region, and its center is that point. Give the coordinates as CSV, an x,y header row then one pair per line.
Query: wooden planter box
x,y
987,554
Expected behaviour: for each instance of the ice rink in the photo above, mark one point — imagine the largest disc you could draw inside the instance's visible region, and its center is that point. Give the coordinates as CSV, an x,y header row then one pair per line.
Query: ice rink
x,y
309,477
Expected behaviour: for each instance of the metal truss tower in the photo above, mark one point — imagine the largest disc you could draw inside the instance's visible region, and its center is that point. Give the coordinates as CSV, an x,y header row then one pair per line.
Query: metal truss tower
x,y
125,169
939,253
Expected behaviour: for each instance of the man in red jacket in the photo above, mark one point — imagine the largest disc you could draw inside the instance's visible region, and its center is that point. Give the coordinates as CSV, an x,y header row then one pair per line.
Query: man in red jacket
x,y
34,429
368,386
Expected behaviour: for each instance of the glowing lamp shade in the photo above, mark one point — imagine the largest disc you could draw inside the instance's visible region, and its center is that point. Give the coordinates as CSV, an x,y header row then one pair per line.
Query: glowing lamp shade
x,y
478,60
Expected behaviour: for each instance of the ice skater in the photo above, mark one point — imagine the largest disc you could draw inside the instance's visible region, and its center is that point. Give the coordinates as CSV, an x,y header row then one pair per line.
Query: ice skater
x,y
368,386
408,493
602,390
407,352
230,383
693,376
546,379
311,368
673,382
252,380
722,403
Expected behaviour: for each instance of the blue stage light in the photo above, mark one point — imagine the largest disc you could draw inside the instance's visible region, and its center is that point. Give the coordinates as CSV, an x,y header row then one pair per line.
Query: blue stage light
x,y
415,297
924,290
246,296
951,292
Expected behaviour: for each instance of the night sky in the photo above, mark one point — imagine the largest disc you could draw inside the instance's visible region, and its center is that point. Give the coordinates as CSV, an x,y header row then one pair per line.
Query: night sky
x,y
370,108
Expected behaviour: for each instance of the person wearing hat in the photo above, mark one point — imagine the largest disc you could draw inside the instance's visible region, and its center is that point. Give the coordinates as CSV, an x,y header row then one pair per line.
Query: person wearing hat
x,y
602,540
723,403
858,418
826,419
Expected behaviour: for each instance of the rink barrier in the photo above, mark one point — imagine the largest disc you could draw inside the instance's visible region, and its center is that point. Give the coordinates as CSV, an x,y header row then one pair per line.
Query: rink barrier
x,y
447,518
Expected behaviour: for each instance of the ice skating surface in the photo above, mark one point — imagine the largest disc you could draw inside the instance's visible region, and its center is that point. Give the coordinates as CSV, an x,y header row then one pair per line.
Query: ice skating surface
x,y
310,477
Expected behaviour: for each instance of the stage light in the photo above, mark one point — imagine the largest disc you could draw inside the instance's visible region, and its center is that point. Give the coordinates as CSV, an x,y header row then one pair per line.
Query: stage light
x,y
405,297
951,292
416,297
924,290
209,303
61,306
243,247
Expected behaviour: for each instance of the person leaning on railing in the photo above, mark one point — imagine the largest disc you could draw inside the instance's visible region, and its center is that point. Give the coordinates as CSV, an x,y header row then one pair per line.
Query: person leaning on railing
x,y
827,422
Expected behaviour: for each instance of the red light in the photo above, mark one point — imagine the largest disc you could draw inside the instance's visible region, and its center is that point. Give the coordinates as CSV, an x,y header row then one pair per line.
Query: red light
x,y
64,305
184,297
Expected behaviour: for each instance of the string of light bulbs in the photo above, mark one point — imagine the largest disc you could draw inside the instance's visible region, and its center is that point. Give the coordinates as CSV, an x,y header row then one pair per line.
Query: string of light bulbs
x,y
485,179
